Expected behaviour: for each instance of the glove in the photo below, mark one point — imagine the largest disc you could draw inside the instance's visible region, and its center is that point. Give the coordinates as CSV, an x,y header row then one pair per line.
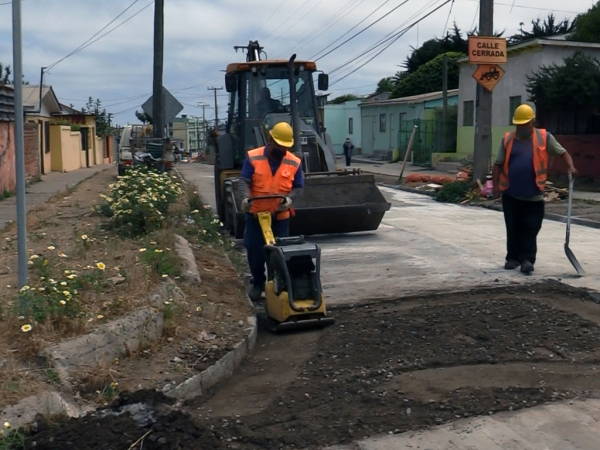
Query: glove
x,y
245,205
286,204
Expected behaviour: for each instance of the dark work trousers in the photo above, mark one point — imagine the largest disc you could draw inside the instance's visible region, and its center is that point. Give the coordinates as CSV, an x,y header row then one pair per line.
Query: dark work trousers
x,y
523,223
348,155
254,241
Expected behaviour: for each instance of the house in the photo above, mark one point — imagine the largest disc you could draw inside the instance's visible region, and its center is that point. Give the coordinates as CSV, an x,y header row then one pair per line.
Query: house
x,y
524,59
342,121
7,145
190,130
387,124
39,106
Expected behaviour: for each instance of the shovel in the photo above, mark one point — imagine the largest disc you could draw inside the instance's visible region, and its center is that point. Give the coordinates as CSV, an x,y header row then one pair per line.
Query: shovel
x,y
568,251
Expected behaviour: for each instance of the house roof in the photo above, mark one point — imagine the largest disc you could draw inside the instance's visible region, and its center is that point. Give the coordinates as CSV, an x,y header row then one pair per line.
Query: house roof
x,y
555,41
31,99
422,98
7,104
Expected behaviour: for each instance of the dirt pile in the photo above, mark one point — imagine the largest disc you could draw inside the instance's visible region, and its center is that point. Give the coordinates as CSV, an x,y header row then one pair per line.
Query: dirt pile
x,y
144,419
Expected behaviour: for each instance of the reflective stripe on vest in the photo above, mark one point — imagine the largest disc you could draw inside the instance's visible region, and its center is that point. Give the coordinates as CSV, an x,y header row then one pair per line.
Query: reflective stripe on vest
x,y
540,158
265,183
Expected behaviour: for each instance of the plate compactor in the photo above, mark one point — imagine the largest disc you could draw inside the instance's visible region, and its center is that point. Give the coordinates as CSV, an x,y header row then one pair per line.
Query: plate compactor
x,y
294,297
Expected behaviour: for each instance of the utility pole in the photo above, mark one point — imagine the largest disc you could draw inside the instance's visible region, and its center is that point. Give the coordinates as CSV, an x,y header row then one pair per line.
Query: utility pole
x,y
482,154
158,99
20,148
445,104
216,106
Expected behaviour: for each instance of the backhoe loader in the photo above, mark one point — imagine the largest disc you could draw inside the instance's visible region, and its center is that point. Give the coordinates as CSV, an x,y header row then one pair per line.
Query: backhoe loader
x,y
263,93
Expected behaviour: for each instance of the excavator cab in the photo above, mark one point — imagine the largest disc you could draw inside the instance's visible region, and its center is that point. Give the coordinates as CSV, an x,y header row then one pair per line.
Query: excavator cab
x,y
262,94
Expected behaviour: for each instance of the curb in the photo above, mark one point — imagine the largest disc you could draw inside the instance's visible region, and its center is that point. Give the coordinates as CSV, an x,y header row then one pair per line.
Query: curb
x,y
547,216
220,371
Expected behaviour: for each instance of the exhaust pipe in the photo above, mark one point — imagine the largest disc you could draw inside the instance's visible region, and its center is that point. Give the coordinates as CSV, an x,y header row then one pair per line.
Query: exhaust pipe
x,y
294,109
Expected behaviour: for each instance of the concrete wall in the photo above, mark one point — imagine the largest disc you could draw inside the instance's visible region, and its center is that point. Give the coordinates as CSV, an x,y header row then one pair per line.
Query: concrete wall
x,y
8,181
465,141
99,151
67,154
584,150
337,119
32,152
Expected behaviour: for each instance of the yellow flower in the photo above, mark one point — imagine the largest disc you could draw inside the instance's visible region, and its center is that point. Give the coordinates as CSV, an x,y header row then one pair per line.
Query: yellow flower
x,y
101,265
25,329
167,303
30,263
153,242
6,425
100,316
198,308
66,293
158,250
51,247
114,384
25,288
165,275
34,257
84,237
67,272
142,250
72,277
61,255
62,302
64,283
195,211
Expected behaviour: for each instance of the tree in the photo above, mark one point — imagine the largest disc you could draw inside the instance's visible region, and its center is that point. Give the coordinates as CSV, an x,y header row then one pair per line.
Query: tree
x,y
570,91
587,26
143,117
102,121
385,85
429,77
452,42
539,30
343,98
5,73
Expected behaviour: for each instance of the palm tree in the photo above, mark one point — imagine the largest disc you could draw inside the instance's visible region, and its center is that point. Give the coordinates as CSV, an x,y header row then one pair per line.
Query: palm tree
x,y
550,27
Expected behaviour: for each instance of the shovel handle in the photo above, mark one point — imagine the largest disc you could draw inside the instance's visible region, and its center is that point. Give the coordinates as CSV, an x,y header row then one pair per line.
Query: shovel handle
x,y
569,208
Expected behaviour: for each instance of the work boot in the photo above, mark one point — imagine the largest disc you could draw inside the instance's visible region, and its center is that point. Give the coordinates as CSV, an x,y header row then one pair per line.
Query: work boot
x,y
526,267
255,293
511,264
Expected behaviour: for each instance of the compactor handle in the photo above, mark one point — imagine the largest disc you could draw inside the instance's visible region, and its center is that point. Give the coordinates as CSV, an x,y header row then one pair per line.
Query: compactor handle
x,y
266,197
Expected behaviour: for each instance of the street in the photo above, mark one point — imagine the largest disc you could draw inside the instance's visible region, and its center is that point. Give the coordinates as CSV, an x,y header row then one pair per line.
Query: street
x,y
424,248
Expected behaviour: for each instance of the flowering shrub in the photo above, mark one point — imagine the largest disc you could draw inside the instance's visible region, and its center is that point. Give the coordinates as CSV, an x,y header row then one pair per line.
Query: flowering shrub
x,y
138,202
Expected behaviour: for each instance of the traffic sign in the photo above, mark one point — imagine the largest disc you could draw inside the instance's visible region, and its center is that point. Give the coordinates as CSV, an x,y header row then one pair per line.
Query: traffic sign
x,y
488,75
487,50
172,106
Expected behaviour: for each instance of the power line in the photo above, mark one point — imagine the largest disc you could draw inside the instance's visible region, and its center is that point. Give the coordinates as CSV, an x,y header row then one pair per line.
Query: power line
x,y
283,23
398,36
363,30
449,13
90,41
350,30
268,18
531,7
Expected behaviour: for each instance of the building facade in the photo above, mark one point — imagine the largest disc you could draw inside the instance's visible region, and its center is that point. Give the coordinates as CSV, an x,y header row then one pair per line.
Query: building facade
x,y
343,121
383,121
191,131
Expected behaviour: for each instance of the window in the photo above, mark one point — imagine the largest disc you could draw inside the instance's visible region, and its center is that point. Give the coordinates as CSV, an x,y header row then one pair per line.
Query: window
x,y
468,113
382,123
351,125
513,104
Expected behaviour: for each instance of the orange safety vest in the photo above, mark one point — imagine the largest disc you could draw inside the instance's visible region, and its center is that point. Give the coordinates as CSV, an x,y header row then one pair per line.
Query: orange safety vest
x,y
265,183
540,158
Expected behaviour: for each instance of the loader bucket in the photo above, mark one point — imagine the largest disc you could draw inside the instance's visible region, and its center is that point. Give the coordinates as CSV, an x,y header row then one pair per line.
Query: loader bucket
x,y
331,204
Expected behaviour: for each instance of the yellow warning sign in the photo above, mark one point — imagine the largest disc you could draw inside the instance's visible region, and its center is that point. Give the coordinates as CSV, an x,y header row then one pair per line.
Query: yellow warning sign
x,y
488,75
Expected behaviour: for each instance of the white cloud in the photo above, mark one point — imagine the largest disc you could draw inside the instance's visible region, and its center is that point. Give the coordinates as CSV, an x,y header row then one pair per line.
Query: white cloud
x,y
200,35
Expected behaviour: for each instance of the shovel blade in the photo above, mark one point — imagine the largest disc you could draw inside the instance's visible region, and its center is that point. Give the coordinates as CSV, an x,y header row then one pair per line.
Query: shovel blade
x,y
574,261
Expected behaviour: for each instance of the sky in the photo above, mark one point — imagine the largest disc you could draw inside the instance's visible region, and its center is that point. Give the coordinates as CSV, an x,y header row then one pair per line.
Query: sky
x,y
116,65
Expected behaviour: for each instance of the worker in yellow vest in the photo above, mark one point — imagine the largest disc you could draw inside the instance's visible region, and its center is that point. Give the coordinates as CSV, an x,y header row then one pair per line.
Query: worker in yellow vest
x,y
268,170
519,175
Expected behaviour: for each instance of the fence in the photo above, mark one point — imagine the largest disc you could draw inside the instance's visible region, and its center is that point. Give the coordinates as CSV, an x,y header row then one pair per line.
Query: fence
x,y
431,137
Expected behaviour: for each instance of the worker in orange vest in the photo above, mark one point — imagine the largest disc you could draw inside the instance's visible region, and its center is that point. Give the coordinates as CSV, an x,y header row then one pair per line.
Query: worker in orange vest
x,y
519,175
268,170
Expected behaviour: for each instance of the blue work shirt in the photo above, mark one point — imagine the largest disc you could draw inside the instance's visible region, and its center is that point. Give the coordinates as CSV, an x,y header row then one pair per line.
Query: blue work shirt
x,y
248,171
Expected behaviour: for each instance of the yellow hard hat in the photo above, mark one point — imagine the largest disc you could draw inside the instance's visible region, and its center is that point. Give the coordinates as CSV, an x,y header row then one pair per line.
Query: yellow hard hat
x,y
523,114
283,134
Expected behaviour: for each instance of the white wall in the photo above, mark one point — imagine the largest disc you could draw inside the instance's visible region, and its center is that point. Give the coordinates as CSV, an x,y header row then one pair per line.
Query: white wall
x,y
337,118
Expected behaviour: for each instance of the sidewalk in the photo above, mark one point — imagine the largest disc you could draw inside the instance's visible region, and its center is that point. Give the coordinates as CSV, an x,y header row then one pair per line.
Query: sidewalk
x,y
41,191
385,168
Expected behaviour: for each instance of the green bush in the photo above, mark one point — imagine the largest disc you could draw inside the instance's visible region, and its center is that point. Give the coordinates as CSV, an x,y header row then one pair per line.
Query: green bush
x,y
453,192
138,203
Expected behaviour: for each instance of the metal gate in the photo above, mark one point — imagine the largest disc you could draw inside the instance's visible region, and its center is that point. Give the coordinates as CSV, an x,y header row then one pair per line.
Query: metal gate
x,y
429,139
